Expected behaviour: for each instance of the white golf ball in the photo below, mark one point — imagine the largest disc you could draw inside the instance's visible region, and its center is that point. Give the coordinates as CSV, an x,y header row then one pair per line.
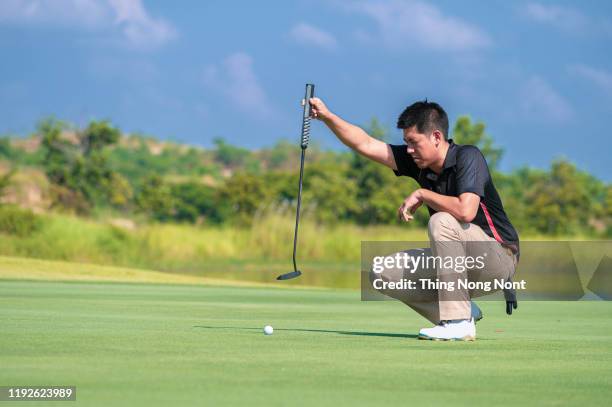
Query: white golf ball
x,y
268,330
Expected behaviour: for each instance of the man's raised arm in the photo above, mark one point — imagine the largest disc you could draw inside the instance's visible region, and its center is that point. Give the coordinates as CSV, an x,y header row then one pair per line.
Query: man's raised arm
x,y
353,136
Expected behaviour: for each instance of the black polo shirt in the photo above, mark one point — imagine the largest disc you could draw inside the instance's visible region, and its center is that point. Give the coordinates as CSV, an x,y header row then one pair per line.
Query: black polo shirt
x,y
465,170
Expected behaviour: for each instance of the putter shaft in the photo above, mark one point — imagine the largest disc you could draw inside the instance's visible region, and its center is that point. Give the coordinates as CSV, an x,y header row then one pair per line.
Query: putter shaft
x,y
303,144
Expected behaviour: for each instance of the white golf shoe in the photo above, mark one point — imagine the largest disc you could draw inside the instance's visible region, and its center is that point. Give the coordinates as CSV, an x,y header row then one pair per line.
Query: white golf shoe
x,y
455,330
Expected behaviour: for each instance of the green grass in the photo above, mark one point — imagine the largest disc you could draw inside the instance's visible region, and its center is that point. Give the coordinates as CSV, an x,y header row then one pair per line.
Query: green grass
x,y
18,268
339,275
200,249
138,344
329,254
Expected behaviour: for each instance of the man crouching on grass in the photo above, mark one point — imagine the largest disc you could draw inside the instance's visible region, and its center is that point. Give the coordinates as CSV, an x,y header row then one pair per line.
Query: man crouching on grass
x,y
464,207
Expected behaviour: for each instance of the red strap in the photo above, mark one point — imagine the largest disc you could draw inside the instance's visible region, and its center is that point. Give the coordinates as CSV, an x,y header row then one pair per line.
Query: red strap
x,y
490,222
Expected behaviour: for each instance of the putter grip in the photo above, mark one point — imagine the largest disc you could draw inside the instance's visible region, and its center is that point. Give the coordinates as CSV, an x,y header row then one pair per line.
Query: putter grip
x,y
306,117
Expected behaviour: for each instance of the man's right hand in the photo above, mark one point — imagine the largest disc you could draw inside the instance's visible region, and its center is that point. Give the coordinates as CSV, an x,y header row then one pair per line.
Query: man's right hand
x,y
318,110
409,206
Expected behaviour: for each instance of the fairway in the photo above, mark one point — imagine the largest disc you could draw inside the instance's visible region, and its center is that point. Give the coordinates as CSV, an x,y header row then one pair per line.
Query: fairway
x,y
163,344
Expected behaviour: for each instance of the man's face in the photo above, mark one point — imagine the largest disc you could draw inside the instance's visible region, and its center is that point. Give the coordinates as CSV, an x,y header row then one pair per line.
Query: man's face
x,y
421,147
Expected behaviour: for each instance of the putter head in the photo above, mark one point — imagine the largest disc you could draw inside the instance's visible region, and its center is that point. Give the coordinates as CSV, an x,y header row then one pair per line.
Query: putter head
x,y
289,276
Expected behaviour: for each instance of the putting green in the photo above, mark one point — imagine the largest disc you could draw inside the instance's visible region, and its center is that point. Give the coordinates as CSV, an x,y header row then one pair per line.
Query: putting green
x,y
162,344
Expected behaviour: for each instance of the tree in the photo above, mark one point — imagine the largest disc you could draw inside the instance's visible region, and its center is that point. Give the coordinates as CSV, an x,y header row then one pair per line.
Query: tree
x,y
243,194
608,201
379,192
94,176
229,155
97,135
79,164
5,147
608,211
369,177
377,130
59,152
559,203
120,191
330,193
5,180
155,199
281,154
194,200
474,134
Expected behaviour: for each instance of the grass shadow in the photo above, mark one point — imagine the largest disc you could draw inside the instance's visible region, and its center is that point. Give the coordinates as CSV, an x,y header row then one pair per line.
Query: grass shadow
x,y
356,333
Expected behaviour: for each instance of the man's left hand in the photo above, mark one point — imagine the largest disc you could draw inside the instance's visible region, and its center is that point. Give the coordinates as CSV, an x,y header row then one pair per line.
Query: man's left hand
x,y
410,205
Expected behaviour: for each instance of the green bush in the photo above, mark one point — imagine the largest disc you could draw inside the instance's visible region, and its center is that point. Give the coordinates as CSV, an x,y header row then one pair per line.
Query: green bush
x,y
17,221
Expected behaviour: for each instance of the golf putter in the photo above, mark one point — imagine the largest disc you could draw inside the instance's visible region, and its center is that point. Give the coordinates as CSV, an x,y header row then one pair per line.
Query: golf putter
x,y
303,144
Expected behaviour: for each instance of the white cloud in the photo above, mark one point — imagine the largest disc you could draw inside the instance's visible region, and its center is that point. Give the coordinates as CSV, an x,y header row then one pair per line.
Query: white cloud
x,y
599,77
559,16
307,34
129,18
540,100
236,80
81,13
140,29
408,22
568,19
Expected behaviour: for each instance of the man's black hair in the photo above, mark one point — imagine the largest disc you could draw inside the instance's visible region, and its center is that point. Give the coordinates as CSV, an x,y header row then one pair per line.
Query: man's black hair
x,y
426,116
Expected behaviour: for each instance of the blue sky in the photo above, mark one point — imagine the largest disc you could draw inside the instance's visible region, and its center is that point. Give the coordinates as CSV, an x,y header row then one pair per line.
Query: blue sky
x,y
539,74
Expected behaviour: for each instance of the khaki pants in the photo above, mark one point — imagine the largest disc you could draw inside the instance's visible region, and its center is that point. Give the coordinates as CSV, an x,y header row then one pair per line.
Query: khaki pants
x,y
449,237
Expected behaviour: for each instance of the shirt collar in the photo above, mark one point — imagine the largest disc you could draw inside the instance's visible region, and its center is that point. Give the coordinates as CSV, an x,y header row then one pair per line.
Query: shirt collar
x,y
449,161
451,155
